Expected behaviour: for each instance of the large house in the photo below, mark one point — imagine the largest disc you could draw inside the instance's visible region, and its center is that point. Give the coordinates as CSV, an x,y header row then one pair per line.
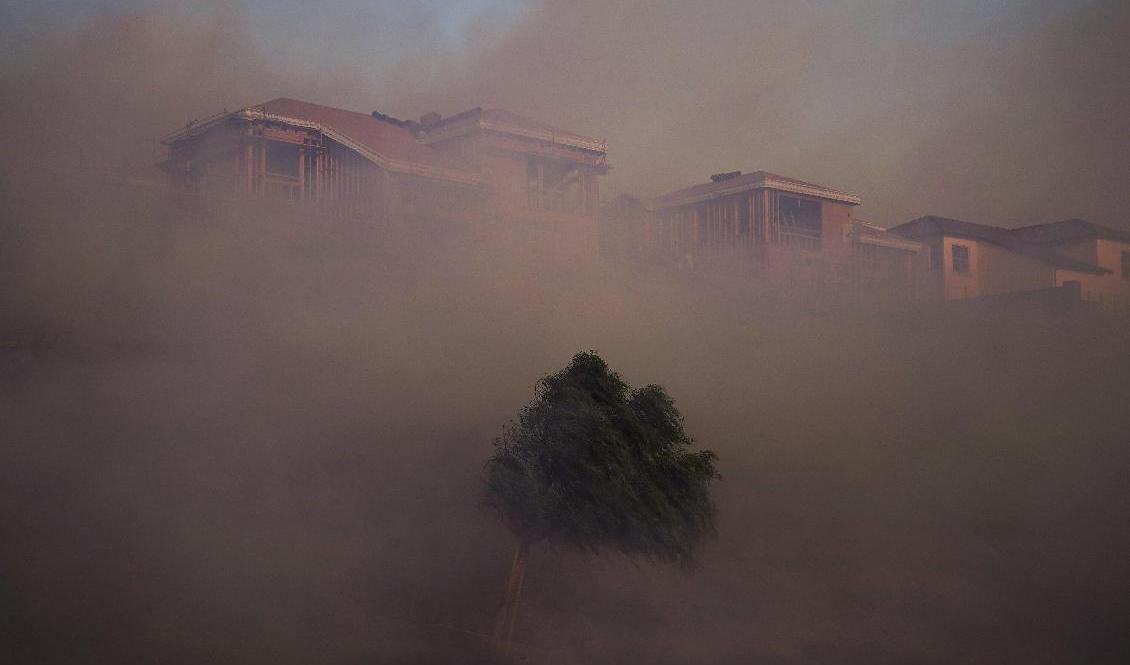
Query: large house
x,y
480,164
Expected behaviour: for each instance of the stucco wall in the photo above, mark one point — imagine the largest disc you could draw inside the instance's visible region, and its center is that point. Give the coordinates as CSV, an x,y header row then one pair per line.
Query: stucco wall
x,y
1111,290
992,270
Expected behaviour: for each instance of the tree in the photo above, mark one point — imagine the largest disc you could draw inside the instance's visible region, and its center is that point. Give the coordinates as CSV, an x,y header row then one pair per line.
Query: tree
x,y
595,464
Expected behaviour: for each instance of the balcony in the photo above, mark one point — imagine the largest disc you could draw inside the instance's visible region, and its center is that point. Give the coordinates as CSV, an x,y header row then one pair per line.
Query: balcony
x,y
800,238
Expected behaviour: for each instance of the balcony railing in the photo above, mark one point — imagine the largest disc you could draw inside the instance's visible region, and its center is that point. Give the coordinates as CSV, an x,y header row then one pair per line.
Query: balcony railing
x,y
800,238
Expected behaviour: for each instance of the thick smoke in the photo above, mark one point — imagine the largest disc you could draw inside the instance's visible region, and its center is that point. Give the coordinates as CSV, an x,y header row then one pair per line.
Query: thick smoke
x,y
236,433
1009,113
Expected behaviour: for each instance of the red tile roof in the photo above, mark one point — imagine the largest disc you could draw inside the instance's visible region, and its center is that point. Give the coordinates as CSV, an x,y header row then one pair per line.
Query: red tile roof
x,y
379,136
390,145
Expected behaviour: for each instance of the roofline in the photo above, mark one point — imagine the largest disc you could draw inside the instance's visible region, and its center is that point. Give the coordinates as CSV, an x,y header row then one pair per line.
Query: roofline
x,y
451,127
1044,254
1090,228
591,145
383,161
762,182
884,238
196,126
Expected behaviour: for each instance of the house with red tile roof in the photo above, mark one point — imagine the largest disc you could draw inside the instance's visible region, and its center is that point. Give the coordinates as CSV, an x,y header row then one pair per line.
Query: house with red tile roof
x,y
474,165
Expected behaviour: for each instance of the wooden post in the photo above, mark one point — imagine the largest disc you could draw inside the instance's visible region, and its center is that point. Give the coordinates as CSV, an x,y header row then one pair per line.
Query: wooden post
x,y
765,213
301,172
261,165
248,165
319,155
541,186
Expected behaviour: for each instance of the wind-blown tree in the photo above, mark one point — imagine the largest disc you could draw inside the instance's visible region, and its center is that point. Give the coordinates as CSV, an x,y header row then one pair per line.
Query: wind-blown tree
x,y
595,464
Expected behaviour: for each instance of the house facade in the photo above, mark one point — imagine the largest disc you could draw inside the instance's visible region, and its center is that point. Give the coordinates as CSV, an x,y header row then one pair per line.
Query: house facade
x,y
1105,248
785,231
477,166
970,260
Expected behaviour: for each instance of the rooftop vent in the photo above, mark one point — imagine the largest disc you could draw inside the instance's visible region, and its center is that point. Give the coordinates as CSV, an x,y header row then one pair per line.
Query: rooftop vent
x,y
391,120
719,177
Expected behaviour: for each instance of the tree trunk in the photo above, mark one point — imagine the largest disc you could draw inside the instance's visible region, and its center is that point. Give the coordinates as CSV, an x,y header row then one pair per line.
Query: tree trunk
x,y
508,612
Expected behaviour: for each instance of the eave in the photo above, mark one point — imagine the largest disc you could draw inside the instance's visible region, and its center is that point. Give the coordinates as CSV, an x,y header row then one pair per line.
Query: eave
x,y
765,182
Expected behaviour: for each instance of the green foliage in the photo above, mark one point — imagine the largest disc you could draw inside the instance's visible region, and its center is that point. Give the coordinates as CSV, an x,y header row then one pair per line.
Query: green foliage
x,y
595,464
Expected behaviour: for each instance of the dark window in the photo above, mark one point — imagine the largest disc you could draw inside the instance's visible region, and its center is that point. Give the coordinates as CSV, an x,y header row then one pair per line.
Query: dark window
x,y
282,159
800,215
960,255
1125,265
800,222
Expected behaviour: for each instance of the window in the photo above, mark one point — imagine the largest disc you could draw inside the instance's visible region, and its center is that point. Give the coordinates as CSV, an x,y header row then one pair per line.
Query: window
x,y
1125,265
960,255
282,159
800,221
555,186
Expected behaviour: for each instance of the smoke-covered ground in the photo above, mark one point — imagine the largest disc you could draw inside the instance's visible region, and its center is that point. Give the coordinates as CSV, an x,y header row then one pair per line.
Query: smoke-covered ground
x,y
251,435
247,435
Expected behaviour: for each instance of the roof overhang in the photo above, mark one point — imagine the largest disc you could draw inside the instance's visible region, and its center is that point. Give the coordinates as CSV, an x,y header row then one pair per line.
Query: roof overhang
x,y
1034,252
197,127
476,120
763,182
867,234
579,142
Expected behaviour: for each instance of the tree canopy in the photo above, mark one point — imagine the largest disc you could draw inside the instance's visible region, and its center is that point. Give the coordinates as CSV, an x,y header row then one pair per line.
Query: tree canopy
x,y
596,464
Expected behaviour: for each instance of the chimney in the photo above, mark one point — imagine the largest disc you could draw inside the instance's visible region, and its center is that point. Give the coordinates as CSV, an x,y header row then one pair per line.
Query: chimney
x,y
396,122
719,177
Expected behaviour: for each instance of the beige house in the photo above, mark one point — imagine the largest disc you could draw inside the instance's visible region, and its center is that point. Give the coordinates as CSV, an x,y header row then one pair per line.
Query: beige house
x,y
969,260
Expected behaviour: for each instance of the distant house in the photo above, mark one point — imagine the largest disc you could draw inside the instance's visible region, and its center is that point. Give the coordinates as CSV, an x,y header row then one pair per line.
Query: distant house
x,y
480,164
1094,245
969,260
787,230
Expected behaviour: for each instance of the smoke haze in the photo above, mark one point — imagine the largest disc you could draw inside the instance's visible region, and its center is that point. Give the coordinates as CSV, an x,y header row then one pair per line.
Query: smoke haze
x,y
234,433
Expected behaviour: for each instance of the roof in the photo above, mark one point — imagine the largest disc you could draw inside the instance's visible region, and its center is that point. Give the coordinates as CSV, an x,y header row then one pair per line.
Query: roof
x,y
869,234
931,226
1068,230
508,122
384,143
748,181
383,137
512,123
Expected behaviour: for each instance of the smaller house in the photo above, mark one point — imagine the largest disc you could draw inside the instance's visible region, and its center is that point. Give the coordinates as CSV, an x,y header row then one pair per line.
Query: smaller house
x,y
1095,245
969,260
788,231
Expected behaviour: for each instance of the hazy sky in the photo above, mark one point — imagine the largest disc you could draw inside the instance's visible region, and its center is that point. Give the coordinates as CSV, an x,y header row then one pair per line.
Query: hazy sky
x,y
1000,111
252,435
